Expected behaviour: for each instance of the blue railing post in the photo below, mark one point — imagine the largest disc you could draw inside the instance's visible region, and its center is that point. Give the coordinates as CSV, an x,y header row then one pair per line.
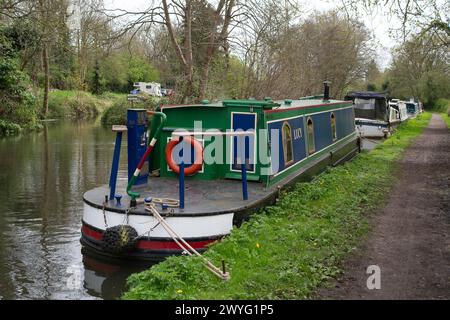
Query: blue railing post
x,y
181,178
244,181
115,165
181,183
244,171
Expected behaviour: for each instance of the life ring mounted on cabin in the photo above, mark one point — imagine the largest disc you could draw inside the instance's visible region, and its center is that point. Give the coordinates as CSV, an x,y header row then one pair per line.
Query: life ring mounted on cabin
x,y
198,159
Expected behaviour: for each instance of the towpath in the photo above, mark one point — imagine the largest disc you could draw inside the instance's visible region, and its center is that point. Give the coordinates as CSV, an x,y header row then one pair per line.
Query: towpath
x,y
410,237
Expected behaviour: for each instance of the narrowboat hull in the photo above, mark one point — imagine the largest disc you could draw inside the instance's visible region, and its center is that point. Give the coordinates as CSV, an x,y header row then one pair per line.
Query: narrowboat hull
x,y
368,128
215,210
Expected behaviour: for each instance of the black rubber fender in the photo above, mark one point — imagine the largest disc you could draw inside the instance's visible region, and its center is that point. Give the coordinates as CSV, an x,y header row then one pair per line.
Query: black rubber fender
x,y
119,239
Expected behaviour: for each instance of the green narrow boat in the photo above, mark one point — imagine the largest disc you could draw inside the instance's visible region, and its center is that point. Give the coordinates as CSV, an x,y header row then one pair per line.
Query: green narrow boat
x,y
208,166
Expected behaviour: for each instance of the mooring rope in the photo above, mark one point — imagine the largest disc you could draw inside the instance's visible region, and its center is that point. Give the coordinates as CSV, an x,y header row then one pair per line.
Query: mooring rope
x,y
185,246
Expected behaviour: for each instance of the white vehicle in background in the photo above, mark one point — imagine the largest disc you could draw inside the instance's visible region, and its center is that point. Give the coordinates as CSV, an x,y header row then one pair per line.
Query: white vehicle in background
x,y
150,88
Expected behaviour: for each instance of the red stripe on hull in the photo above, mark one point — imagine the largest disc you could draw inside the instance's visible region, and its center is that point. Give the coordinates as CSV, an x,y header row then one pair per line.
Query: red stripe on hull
x,y
170,245
90,233
149,244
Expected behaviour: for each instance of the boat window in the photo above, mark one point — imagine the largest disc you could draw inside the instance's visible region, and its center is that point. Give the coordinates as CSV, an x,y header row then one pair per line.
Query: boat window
x,y
148,87
287,144
311,144
333,126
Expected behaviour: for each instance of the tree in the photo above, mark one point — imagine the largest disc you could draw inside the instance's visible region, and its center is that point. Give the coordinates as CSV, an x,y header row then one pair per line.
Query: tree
x,y
417,17
372,76
97,85
16,100
181,20
222,15
51,17
292,60
420,69
46,19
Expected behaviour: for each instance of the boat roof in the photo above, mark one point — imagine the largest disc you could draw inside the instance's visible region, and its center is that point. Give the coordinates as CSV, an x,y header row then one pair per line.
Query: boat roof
x,y
366,95
265,104
286,104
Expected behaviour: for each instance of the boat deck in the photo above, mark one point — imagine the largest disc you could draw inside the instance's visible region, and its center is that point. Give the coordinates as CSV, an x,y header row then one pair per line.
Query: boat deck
x,y
201,197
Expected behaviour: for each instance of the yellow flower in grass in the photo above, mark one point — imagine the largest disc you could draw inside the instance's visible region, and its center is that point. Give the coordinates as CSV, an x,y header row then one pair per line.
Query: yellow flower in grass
x,y
179,291
258,245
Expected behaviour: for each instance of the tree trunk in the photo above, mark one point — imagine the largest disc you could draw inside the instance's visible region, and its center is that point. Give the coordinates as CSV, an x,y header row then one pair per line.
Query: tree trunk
x,y
185,56
215,41
189,67
204,79
45,64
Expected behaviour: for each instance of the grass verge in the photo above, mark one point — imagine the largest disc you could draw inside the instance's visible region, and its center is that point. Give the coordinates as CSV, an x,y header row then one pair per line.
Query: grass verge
x,y
446,118
291,248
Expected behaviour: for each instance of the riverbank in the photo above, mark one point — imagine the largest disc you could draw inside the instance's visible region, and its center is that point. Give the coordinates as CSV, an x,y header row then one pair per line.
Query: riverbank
x,y
290,249
79,105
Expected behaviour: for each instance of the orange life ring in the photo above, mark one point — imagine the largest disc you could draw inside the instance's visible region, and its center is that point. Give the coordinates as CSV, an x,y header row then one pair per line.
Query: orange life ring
x,y
195,167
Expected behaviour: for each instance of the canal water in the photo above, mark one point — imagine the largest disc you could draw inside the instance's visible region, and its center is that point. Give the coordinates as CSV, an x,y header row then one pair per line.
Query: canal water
x,y
369,144
42,179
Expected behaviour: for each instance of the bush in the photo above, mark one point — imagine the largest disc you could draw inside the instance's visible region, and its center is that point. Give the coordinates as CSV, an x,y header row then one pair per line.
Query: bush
x,y
442,106
117,113
16,100
7,128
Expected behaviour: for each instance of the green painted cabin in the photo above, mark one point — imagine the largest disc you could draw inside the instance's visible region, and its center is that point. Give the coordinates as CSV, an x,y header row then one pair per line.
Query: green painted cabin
x,y
308,128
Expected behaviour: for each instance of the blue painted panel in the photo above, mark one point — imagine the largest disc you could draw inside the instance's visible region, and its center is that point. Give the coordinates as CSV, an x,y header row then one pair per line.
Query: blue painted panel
x,y
345,122
137,143
345,125
322,130
298,143
244,122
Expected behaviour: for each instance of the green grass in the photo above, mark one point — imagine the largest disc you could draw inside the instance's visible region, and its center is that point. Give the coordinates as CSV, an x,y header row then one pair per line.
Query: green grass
x,y
442,106
290,249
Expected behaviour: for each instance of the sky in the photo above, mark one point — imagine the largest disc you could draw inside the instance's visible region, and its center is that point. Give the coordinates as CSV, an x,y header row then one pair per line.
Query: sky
x,y
377,23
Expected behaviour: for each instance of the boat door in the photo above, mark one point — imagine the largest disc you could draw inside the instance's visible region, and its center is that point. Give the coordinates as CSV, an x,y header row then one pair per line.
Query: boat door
x,y
243,121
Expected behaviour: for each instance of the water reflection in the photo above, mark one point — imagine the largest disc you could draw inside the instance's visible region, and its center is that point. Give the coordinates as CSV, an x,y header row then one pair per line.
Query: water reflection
x,y
106,278
42,179
369,144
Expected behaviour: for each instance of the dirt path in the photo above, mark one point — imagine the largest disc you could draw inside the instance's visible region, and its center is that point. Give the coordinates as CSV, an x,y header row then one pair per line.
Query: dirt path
x,y
410,238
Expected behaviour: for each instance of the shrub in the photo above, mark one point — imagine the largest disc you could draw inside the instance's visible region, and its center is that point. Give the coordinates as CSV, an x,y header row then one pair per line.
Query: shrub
x,y
117,113
16,100
7,128
442,105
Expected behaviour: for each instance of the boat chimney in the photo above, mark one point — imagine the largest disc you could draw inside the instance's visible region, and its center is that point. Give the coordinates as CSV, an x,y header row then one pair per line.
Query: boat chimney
x,y
326,91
